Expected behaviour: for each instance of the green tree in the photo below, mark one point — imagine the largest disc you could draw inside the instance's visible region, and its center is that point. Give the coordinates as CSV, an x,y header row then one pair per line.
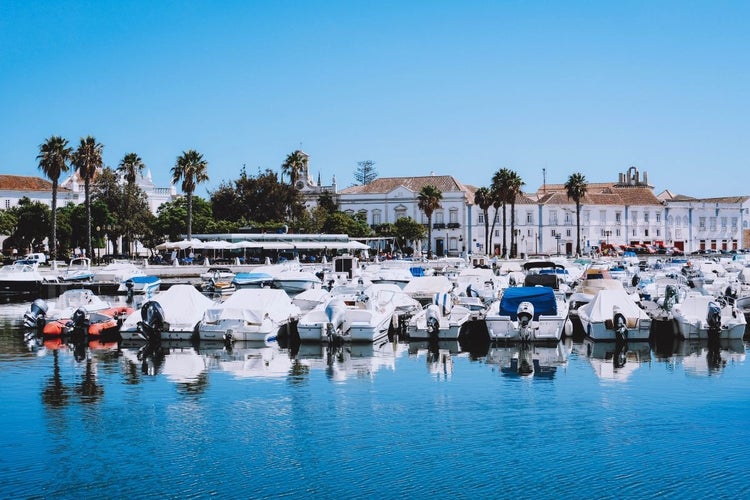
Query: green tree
x,y
294,163
54,155
191,170
130,167
343,223
34,221
501,192
576,188
428,200
87,158
515,183
483,199
8,222
170,217
407,230
365,172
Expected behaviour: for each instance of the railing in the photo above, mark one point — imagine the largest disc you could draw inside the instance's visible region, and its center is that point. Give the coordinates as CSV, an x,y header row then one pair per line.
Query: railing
x,y
453,225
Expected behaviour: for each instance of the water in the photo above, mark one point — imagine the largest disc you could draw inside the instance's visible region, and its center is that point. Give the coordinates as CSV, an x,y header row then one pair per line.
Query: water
x,y
397,419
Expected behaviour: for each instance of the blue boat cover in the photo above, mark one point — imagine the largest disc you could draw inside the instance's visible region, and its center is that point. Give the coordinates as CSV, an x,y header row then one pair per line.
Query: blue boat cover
x,y
542,297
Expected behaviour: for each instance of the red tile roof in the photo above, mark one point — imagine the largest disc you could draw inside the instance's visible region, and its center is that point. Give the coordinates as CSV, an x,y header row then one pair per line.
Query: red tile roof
x,y
25,183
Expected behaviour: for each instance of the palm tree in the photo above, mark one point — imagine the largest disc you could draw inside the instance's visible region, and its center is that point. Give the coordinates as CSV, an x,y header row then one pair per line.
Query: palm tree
x,y
515,183
483,199
428,200
87,159
191,170
501,188
576,187
53,157
130,167
294,163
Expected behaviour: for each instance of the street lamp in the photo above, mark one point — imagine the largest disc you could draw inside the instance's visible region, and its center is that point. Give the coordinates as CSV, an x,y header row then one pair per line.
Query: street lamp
x,y
557,237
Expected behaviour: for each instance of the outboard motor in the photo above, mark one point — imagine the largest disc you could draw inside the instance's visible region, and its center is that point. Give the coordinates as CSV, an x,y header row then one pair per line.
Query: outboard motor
x,y
525,314
471,292
335,313
34,317
153,321
636,279
129,285
713,319
620,324
78,324
670,297
511,280
432,317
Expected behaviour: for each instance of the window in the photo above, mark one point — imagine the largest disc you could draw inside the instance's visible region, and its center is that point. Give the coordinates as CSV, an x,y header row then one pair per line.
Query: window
x,y
7,203
400,211
553,217
349,212
567,233
645,232
645,217
618,217
453,244
568,218
480,218
734,222
634,232
554,233
438,217
658,232
723,223
453,215
586,216
497,233
702,223
617,232
634,216
658,217
603,216
712,223
376,216
529,217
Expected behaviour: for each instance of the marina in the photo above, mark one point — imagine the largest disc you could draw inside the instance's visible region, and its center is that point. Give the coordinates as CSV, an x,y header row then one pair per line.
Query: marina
x,y
434,415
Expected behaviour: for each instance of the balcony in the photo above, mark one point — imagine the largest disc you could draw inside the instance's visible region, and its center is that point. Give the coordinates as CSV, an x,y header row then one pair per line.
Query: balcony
x,y
453,225
438,225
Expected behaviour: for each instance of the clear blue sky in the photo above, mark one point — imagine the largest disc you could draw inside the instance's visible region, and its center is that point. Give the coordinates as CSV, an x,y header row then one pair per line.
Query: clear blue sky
x,y
455,87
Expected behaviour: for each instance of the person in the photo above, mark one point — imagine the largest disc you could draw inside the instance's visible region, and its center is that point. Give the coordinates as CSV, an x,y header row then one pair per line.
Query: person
x,y
173,257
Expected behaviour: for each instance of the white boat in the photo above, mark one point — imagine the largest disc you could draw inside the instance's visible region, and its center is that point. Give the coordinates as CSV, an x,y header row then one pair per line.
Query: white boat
x,y
441,320
250,314
295,281
79,270
217,273
20,280
117,272
424,288
700,316
613,314
310,299
354,313
181,307
140,284
529,314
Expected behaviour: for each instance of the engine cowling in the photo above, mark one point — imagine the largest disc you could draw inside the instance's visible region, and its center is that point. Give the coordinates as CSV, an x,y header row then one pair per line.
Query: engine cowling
x,y
153,321
34,317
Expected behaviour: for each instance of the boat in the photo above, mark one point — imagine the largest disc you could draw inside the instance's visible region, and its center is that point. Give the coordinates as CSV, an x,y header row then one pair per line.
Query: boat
x,y
217,281
217,273
310,299
249,314
295,281
78,309
173,314
441,320
144,285
254,279
704,316
20,280
424,288
356,313
613,314
117,272
529,314
78,271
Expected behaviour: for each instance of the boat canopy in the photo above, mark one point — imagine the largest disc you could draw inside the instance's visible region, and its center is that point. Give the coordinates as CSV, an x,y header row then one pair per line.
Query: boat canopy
x,y
542,297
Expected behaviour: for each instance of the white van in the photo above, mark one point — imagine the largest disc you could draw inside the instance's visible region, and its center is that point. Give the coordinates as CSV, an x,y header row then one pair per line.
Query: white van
x,y
39,258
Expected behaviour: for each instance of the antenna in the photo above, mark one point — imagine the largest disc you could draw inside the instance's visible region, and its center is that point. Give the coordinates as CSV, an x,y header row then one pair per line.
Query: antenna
x,y
544,180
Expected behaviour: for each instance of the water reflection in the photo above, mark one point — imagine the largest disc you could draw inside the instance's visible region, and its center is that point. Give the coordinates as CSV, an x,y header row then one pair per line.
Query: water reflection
x,y
703,357
616,360
178,360
529,360
342,361
438,355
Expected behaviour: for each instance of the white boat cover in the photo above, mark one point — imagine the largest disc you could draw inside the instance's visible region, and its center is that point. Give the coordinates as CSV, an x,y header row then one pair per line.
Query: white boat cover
x,y
252,304
601,306
428,285
183,308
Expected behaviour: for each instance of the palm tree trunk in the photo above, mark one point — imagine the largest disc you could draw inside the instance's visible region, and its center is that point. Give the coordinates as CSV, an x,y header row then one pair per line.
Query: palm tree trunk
x,y
505,225
189,199
53,243
86,188
578,229
486,230
513,242
492,234
429,236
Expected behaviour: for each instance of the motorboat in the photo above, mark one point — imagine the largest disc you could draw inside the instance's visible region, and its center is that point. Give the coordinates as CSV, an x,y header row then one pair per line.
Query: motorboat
x,y
613,314
296,281
441,320
20,279
173,314
117,272
217,273
354,313
249,314
424,288
310,299
217,281
704,316
529,314
140,284
253,279
78,310
404,306
78,271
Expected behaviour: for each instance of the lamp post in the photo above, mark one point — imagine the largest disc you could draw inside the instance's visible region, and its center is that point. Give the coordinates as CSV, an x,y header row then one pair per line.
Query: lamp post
x,y
557,237
98,244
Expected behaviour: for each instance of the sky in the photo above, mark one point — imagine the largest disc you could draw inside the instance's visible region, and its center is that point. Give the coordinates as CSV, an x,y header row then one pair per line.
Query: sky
x,y
459,88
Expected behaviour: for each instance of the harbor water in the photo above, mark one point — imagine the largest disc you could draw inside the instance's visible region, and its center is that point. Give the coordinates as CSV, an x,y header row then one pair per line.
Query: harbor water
x,y
396,419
